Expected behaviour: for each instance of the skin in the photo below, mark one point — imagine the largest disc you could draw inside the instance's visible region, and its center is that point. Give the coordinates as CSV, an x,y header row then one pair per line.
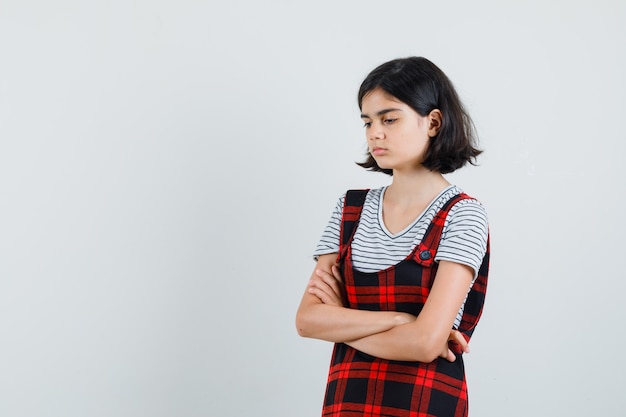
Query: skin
x,y
397,138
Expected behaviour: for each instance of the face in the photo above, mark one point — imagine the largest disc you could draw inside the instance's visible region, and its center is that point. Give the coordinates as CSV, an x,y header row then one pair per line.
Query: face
x,y
397,136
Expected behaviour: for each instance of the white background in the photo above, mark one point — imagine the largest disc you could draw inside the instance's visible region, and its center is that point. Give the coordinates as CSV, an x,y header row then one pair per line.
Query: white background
x,y
166,169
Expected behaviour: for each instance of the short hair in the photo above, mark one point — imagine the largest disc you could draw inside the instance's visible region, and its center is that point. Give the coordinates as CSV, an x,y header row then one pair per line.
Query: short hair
x,y
420,84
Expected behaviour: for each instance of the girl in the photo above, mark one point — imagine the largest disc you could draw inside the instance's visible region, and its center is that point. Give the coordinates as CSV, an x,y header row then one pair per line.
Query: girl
x,y
401,270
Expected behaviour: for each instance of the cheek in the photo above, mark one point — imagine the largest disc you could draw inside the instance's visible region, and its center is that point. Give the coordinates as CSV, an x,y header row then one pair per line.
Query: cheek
x,y
419,145
416,138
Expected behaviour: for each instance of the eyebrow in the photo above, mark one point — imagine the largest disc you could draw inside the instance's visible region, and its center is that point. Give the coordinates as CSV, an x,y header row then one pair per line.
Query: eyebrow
x,y
380,113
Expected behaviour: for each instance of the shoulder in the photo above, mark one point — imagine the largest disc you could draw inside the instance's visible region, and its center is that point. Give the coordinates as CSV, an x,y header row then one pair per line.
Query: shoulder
x,y
467,214
467,221
370,192
367,195
467,206
465,234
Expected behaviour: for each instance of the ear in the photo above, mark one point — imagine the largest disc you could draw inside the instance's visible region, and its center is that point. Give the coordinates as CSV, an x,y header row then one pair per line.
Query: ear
x,y
435,121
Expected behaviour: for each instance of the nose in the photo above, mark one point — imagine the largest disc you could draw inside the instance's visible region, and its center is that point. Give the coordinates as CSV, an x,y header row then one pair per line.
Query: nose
x,y
375,132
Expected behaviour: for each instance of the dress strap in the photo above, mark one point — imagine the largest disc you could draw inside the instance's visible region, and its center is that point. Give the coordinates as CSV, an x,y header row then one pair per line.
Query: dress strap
x,y
350,215
424,253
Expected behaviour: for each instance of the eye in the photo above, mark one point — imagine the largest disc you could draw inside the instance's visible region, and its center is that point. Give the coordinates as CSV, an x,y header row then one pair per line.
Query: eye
x,y
389,121
367,124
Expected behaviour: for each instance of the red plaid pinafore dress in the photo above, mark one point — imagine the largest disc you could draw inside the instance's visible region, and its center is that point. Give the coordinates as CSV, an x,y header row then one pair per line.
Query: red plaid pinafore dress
x,y
363,385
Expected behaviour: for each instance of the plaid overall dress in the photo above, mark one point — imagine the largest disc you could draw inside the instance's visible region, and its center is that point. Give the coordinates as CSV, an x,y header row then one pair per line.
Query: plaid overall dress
x,y
363,385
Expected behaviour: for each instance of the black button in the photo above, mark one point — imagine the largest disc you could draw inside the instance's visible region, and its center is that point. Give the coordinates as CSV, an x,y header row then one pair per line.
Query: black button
x,y
425,255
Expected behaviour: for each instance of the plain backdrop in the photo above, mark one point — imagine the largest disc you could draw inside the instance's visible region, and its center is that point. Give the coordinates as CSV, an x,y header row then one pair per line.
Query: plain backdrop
x,y
167,167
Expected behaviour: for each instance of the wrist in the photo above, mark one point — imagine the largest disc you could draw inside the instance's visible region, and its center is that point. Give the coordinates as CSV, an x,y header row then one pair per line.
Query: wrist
x,y
402,318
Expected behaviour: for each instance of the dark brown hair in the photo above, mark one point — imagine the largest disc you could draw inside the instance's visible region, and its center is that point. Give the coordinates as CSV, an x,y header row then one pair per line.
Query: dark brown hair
x,y
424,87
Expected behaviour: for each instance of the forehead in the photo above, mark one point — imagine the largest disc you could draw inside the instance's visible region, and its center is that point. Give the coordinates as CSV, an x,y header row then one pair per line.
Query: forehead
x,y
378,100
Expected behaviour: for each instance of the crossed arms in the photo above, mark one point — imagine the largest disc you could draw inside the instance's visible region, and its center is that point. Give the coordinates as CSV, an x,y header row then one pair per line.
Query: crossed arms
x,y
385,334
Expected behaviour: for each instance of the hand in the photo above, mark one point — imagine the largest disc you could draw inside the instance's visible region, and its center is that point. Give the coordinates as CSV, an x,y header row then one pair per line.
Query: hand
x,y
328,286
456,343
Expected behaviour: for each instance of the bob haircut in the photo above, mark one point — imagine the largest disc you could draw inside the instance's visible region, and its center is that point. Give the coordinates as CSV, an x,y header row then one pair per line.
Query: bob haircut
x,y
424,87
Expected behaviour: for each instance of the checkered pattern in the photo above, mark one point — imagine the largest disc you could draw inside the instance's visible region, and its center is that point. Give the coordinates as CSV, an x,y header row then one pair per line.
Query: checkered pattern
x,y
363,385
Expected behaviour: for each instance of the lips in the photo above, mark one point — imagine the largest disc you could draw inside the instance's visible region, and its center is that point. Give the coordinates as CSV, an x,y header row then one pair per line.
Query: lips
x,y
378,151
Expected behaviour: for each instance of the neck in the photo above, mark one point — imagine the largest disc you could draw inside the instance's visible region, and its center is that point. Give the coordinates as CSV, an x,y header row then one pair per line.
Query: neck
x,y
416,186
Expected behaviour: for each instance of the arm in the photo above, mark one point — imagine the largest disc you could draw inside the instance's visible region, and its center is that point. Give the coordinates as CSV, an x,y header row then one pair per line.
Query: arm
x,y
321,314
426,338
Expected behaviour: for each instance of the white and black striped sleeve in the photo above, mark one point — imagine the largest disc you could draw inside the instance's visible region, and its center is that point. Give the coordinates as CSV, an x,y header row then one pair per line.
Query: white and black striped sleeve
x,y
329,242
464,236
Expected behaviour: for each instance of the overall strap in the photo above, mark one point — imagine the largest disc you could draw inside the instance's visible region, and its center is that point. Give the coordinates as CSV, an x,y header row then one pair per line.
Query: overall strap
x,y
425,255
476,298
426,250
352,207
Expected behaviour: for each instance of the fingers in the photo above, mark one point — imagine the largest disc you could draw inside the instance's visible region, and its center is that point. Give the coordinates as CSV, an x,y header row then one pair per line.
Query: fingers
x,y
326,287
332,280
326,297
459,344
458,338
450,357
337,273
447,354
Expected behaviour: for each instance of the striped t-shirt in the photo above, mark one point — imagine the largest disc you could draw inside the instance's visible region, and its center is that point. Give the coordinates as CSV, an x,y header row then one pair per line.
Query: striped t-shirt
x,y
374,248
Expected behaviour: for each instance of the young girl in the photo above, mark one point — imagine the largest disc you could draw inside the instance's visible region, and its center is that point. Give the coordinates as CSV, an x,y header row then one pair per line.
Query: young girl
x,y
401,270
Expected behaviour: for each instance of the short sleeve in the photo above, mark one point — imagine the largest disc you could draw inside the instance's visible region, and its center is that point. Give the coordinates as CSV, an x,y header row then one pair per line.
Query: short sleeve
x,y
464,236
329,242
